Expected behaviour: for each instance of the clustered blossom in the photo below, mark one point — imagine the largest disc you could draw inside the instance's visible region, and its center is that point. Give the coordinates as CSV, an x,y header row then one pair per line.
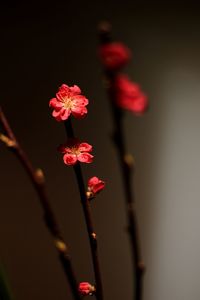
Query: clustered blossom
x,y
95,185
68,101
85,288
75,151
114,55
129,95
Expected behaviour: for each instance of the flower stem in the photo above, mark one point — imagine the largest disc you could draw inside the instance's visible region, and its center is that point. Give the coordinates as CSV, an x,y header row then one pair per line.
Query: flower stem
x,y
37,178
127,171
88,218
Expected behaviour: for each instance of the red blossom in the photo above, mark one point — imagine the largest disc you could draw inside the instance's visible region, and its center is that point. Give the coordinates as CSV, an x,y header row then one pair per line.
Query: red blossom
x,y
95,185
114,55
75,151
68,101
129,96
85,288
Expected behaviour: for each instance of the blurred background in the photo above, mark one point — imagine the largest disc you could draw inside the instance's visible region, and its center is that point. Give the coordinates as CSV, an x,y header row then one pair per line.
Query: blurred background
x,y
44,45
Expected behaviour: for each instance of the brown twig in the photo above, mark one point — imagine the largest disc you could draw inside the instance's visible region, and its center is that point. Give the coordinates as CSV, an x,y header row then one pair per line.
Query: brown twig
x,y
127,171
37,178
88,218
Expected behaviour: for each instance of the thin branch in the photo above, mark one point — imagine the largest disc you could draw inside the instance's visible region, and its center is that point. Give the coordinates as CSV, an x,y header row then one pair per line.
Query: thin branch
x,y
127,170
37,178
88,218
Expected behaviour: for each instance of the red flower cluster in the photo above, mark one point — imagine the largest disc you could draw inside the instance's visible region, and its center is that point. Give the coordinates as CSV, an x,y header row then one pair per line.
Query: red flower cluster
x,y
75,151
129,96
114,55
95,185
68,101
85,288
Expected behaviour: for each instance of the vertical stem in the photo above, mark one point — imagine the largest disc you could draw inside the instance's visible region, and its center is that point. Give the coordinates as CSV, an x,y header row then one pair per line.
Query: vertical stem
x,y
88,218
127,171
38,181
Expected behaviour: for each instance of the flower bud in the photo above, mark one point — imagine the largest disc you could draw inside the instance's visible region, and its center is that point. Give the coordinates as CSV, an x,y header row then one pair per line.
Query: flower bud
x,y
85,289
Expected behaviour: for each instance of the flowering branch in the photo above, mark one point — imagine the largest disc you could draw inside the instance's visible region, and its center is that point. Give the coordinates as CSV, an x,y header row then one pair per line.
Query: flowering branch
x,y
113,58
37,178
88,217
69,101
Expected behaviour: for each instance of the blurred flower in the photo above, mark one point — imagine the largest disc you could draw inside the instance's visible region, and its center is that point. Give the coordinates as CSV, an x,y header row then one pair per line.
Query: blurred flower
x,y
95,185
85,288
68,101
114,55
75,151
129,96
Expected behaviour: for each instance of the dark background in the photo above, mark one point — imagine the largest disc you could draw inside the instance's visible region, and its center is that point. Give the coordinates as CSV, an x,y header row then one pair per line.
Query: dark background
x,y
44,45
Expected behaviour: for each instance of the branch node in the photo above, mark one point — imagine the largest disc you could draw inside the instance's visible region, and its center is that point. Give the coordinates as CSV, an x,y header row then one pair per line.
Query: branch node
x,y
61,246
40,176
6,140
129,160
94,236
89,195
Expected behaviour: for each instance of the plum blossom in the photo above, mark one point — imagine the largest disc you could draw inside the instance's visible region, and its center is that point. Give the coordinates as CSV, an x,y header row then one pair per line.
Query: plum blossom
x,y
75,151
95,185
129,95
68,101
114,55
85,289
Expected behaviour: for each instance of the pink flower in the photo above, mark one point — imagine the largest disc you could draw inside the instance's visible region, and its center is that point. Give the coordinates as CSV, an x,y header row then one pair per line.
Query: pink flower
x,y
129,96
85,288
114,55
68,101
95,185
75,151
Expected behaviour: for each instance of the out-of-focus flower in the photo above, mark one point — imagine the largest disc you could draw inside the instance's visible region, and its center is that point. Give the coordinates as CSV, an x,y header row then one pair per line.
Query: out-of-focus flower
x,y
85,288
114,55
95,185
68,101
129,96
75,151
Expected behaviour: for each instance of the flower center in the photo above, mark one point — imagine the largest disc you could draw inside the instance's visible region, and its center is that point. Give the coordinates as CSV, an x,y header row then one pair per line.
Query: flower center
x,y
75,150
68,102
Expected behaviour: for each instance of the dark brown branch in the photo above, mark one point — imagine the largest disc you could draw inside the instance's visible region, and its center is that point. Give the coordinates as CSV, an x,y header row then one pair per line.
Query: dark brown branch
x,y
38,181
127,171
88,218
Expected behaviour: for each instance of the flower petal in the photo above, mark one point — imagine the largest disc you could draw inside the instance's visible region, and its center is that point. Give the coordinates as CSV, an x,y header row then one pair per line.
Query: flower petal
x,y
56,115
55,103
140,104
79,112
114,55
95,184
65,113
98,187
129,95
93,180
85,157
80,100
70,159
85,147
75,90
